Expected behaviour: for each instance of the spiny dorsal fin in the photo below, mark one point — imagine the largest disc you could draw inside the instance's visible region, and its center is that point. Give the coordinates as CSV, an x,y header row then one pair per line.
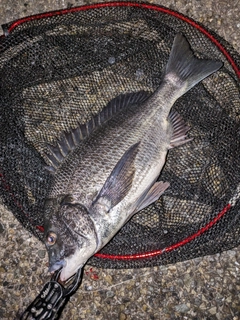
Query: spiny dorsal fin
x,y
180,129
68,141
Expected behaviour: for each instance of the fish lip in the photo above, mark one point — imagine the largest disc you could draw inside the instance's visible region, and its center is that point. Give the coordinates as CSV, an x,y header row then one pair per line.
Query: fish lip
x,y
57,265
63,276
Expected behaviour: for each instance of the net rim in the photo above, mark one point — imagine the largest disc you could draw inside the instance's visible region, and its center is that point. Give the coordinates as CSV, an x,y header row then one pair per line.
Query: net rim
x,y
143,5
8,28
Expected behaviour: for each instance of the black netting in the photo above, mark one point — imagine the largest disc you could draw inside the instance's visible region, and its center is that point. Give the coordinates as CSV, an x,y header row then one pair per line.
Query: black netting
x,y
61,69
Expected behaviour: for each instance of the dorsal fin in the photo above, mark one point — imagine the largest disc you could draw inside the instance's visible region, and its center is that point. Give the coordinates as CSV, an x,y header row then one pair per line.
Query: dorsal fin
x,y
68,141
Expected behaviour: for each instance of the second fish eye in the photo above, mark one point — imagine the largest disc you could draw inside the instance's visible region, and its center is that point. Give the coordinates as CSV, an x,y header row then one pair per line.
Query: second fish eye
x,y
51,238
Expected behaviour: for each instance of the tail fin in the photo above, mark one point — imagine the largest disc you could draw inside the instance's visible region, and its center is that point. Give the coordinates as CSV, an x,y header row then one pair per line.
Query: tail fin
x,y
185,69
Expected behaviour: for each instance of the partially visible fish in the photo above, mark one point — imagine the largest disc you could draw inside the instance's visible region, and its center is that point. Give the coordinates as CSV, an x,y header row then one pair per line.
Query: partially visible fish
x,y
106,170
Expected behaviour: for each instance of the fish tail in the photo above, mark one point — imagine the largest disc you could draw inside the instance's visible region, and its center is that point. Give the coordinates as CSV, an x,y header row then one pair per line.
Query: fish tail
x,y
183,69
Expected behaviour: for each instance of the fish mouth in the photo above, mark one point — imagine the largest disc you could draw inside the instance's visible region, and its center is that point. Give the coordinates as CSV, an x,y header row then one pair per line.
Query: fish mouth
x,y
57,265
66,274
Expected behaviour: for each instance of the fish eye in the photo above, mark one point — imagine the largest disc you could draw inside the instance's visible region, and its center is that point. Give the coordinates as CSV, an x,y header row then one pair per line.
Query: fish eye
x,y
51,238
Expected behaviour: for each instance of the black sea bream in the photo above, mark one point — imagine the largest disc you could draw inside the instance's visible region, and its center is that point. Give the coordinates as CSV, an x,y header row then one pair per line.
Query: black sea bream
x,y
106,170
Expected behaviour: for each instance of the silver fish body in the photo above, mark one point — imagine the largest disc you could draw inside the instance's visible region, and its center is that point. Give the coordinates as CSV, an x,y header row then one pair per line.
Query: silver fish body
x,y
112,171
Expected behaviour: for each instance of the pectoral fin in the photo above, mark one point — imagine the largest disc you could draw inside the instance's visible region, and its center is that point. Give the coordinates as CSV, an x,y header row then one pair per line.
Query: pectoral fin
x,y
120,180
153,194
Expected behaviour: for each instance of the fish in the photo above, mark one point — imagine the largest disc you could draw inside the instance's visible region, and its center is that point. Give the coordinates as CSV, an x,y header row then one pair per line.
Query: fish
x,y
106,170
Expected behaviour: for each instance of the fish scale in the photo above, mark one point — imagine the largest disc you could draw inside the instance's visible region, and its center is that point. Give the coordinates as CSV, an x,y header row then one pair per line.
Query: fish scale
x,y
105,147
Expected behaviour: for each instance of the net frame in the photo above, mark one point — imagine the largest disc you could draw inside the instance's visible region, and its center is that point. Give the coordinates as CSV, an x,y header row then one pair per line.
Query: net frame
x,y
145,257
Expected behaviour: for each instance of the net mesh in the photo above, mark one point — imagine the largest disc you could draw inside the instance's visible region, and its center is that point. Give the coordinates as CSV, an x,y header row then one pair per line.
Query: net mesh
x,y
58,70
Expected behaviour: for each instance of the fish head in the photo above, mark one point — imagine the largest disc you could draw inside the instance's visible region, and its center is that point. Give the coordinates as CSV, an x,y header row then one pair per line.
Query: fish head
x,y
70,237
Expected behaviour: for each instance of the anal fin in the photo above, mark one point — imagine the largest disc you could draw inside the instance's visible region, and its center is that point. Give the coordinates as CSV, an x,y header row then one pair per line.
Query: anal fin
x,y
180,129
